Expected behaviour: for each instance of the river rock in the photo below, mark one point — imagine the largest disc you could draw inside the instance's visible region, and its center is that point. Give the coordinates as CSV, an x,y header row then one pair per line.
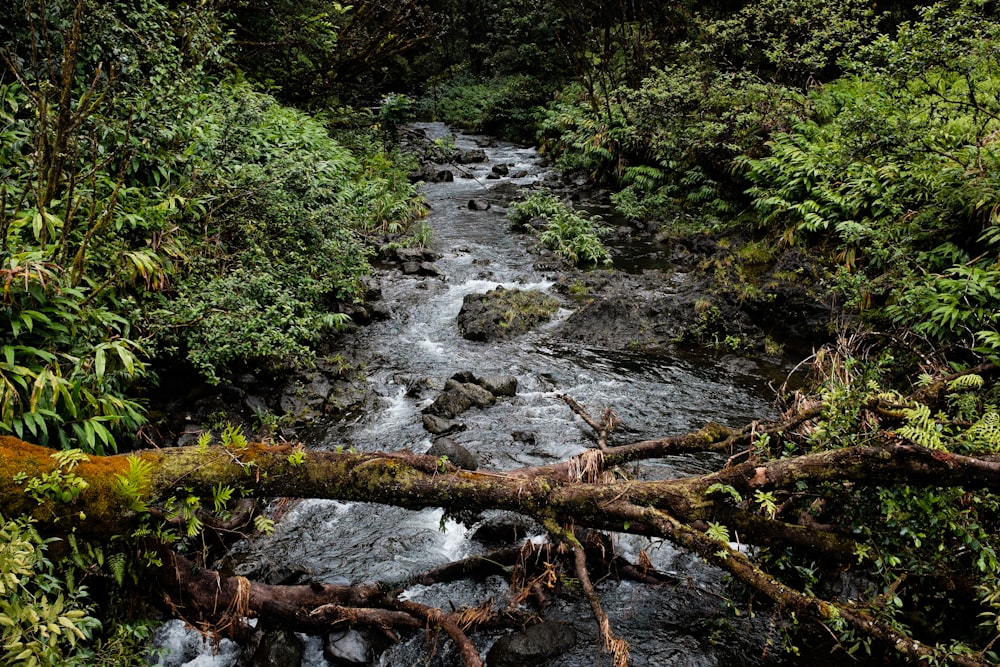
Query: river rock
x,y
501,529
441,426
500,169
469,156
456,453
479,205
303,397
532,646
402,255
498,385
527,437
280,648
458,397
420,269
349,647
501,314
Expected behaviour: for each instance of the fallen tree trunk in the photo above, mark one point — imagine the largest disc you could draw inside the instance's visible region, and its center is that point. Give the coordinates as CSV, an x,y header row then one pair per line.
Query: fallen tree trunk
x,y
111,495
415,482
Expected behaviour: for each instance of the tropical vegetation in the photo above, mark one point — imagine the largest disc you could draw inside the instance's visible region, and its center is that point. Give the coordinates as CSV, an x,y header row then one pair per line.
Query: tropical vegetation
x,y
200,186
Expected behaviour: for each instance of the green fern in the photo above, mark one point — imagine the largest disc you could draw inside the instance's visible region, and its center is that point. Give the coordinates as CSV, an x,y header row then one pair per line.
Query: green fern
x,y
970,381
117,566
921,429
985,433
134,483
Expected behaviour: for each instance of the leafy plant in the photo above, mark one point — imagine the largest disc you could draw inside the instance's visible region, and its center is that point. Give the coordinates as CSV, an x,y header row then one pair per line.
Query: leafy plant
x,y
569,234
43,618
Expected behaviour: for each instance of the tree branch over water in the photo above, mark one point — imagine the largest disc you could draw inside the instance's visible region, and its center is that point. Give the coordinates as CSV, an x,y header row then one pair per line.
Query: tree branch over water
x,y
771,502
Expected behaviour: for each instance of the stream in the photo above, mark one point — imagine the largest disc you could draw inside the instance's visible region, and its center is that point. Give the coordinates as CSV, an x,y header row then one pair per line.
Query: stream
x,y
655,396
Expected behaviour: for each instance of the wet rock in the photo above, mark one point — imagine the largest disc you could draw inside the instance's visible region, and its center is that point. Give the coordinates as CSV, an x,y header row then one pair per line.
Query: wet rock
x,y
431,173
303,397
420,269
532,646
506,192
502,529
458,397
456,453
520,173
349,647
500,169
402,255
478,205
498,385
441,426
526,437
420,387
501,314
469,156
280,648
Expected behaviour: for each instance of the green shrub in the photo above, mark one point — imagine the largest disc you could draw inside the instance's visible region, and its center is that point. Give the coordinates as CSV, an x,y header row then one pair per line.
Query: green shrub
x,y
44,618
567,233
896,171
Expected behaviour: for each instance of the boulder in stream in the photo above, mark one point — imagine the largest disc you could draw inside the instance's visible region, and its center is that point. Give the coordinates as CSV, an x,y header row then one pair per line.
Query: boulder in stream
x,y
469,156
462,391
455,453
532,646
498,385
441,426
458,397
502,314
280,648
348,647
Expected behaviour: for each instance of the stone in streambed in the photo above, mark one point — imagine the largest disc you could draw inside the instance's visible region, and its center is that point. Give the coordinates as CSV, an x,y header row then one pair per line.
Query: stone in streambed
x,y
502,314
350,647
280,648
458,397
456,453
532,646
441,426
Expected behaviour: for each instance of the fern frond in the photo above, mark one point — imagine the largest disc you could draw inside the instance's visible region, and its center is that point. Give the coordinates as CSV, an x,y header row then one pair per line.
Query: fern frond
x,y
970,381
985,433
921,429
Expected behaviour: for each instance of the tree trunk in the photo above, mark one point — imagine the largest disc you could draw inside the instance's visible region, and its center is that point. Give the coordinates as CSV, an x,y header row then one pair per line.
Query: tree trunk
x,y
110,495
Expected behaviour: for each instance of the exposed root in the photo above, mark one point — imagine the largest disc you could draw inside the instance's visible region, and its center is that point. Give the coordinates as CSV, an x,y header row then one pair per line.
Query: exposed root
x,y
446,622
618,648
589,467
609,420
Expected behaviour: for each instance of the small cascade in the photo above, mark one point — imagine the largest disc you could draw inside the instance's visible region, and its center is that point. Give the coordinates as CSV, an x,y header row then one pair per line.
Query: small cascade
x,y
334,542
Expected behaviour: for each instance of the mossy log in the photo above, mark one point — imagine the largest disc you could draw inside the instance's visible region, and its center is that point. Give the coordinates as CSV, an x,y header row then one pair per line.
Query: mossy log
x,y
563,497
416,482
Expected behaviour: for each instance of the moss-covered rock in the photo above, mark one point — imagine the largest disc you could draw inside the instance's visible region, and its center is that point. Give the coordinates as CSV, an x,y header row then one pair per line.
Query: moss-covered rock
x,y
501,314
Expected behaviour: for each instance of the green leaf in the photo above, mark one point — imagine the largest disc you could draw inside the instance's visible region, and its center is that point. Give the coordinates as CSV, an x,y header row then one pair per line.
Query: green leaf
x,y
99,363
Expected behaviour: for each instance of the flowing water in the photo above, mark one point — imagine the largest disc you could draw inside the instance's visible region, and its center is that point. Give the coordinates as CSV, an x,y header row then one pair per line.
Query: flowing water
x,y
654,395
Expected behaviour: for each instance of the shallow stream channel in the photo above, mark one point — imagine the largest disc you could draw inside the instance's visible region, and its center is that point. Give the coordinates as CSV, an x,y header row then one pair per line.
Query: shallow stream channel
x,y
417,348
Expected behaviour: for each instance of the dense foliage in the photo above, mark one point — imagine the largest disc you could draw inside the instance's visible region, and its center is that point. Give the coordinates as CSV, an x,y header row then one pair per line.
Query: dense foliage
x,y
160,204
154,204
865,134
